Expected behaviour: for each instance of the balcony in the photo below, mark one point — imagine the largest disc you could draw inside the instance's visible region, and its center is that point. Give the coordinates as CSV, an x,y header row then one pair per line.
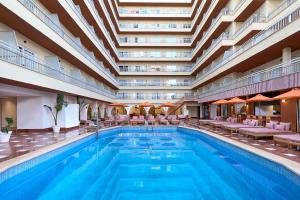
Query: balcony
x,y
152,97
153,84
150,28
250,27
155,41
26,61
261,44
155,68
272,73
89,31
46,30
217,47
154,56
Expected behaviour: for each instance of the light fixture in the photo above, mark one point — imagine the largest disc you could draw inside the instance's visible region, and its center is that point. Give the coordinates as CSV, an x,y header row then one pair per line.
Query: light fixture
x,y
283,100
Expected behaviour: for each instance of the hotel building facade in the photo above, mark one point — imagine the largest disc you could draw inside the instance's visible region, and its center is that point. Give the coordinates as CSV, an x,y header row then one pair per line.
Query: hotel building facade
x,y
190,53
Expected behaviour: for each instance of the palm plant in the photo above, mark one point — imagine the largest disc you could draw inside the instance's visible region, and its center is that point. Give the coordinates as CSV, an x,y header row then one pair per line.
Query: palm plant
x,y
10,122
60,102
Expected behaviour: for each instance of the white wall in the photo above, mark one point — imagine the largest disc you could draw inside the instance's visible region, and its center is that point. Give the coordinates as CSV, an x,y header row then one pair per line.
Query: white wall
x,y
32,114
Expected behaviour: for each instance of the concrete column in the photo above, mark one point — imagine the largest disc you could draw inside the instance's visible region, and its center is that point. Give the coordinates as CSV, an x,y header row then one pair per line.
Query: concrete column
x,y
286,54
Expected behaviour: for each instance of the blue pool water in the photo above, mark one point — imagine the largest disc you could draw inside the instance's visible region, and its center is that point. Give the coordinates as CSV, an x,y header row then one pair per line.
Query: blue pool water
x,y
149,164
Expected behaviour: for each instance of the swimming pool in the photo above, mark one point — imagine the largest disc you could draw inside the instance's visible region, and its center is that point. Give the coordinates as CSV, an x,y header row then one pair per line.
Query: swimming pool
x,y
149,163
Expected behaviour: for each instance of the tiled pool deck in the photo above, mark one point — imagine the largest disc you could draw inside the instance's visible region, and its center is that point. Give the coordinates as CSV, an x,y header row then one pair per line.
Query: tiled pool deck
x,y
23,143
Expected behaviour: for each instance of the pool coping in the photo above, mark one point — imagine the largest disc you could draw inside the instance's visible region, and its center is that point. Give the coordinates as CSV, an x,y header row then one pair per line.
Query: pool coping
x,y
289,164
5,165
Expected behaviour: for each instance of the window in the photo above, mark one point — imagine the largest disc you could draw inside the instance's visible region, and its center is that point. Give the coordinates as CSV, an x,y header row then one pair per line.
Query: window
x,y
139,95
123,82
123,68
155,95
28,58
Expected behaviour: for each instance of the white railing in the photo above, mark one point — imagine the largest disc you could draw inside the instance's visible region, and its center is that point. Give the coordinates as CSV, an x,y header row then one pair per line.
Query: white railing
x,y
215,42
39,13
100,21
156,40
284,4
154,26
277,71
14,56
154,54
77,11
154,84
224,12
156,96
155,69
255,18
142,11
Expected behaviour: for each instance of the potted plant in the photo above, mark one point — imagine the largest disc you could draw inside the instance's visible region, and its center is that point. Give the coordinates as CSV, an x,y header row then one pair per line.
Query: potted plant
x,y
60,102
7,131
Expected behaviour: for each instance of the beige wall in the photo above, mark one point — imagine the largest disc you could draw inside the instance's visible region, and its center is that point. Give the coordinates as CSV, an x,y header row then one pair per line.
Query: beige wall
x,y
8,108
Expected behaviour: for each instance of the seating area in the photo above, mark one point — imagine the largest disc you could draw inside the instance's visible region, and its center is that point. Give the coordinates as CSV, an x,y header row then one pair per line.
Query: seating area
x,y
142,120
275,136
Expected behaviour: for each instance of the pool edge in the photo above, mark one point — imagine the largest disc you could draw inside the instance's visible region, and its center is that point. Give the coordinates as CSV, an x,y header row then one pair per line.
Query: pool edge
x,y
289,164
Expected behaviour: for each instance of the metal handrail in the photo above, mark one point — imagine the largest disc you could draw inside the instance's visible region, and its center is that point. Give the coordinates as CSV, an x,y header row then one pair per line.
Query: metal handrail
x,y
280,70
14,56
39,13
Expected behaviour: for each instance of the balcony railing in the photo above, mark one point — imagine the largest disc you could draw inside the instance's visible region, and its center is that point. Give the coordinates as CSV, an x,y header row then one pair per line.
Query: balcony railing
x,y
224,12
277,71
155,69
154,84
39,13
12,55
279,25
77,11
285,4
156,96
255,18
143,11
215,42
103,27
154,26
154,54
157,40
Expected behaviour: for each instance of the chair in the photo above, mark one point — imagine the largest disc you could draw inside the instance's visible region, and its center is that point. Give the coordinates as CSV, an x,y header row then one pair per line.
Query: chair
x,y
151,119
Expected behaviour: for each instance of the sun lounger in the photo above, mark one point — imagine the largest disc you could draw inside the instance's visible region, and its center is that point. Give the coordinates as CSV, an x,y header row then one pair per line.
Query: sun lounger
x,y
234,128
109,121
174,120
134,120
151,120
141,119
261,132
163,120
290,140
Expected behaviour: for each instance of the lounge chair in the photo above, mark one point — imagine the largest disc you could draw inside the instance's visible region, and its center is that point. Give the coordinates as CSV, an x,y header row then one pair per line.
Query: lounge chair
x,y
122,119
141,119
109,121
234,128
163,120
290,140
134,120
262,132
219,124
151,120
174,120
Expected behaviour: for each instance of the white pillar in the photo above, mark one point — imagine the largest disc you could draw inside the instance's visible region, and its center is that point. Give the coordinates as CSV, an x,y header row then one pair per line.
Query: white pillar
x,y
286,54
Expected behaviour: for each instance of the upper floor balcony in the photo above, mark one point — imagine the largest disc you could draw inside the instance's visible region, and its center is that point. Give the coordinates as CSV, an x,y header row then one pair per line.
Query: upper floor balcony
x,y
154,84
270,73
155,41
159,27
265,40
45,29
153,96
25,61
154,56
